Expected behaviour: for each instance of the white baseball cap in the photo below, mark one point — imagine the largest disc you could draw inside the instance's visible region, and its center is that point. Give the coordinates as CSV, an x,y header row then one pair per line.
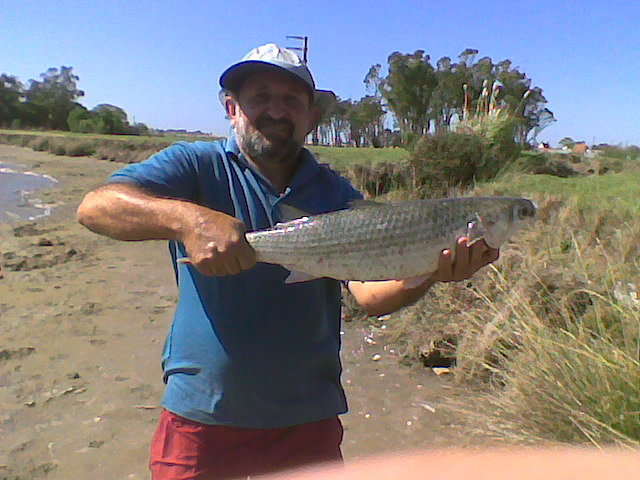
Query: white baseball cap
x,y
273,57
264,58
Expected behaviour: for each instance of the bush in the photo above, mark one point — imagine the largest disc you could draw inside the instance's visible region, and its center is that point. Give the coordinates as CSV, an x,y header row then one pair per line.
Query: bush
x,y
41,145
80,150
58,149
448,159
541,163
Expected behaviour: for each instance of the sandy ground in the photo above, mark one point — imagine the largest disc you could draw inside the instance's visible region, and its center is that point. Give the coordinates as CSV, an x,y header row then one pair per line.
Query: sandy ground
x,y
82,324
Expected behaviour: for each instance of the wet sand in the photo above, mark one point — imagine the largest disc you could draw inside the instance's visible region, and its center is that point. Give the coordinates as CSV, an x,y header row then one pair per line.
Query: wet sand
x,y
82,324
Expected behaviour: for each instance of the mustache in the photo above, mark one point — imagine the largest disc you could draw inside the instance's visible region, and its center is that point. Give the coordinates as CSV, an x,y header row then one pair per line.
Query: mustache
x,y
267,121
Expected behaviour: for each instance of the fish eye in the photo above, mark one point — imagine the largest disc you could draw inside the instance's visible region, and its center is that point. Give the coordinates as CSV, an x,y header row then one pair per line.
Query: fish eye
x,y
525,211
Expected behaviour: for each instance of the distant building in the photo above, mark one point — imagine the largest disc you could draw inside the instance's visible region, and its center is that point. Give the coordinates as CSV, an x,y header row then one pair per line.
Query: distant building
x,y
580,148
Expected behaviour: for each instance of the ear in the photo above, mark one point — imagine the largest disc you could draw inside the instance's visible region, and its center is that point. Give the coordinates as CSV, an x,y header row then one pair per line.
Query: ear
x,y
232,107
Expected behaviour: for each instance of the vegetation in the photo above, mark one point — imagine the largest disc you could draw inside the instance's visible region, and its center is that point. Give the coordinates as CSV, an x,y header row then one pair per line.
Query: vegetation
x,y
424,98
554,327
116,148
52,103
420,99
127,148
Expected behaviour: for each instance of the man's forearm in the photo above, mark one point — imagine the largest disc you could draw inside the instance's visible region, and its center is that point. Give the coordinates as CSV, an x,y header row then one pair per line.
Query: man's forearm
x,y
381,298
126,212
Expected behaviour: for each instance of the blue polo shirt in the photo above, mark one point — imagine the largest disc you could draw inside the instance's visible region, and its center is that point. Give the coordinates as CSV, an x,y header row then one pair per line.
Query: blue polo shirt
x,y
248,350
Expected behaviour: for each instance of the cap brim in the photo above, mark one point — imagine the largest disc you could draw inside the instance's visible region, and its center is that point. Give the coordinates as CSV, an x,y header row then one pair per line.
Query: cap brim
x,y
325,101
232,77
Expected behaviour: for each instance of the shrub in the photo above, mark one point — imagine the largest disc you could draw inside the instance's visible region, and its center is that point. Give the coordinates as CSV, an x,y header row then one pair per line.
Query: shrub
x,y
41,144
447,159
541,163
80,150
58,149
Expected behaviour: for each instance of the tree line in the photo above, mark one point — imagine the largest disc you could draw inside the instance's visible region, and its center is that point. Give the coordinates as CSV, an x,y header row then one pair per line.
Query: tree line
x,y
413,99
416,98
52,103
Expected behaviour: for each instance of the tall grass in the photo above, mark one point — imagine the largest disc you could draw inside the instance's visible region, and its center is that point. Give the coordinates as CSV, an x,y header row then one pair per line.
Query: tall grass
x,y
553,327
118,148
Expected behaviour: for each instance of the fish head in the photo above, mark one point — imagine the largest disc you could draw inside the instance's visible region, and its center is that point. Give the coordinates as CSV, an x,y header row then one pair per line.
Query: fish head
x,y
502,219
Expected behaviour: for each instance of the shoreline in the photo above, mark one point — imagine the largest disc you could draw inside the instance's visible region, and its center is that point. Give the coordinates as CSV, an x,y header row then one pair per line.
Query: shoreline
x,y
18,195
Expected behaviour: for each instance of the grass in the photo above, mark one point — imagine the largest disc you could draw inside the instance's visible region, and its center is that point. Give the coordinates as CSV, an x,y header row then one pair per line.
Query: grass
x,y
96,136
553,328
356,163
120,148
343,157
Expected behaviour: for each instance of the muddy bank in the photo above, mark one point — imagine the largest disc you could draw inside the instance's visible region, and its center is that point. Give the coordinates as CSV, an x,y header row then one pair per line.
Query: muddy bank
x,y
83,320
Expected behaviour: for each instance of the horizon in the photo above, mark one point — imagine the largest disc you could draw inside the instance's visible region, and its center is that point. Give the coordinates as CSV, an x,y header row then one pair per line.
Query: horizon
x,y
162,65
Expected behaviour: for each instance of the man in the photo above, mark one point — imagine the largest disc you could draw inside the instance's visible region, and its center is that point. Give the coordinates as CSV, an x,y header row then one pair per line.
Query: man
x,y
251,364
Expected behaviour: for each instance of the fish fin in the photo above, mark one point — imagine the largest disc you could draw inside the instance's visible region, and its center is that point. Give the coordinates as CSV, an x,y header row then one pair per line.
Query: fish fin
x,y
289,213
361,203
296,276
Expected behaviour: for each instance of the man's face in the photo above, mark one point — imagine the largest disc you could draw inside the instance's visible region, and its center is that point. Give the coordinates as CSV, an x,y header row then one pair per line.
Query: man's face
x,y
272,115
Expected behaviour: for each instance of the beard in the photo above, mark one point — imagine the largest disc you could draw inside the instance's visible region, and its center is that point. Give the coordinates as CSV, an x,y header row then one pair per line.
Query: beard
x,y
270,140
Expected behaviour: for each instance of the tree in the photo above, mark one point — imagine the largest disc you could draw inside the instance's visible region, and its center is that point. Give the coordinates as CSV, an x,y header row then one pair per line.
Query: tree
x,y
11,99
56,96
335,129
81,120
110,119
448,95
366,117
408,90
425,99
567,142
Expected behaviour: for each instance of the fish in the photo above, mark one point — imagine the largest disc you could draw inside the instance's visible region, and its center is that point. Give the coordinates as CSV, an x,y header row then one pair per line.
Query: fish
x,y
387,241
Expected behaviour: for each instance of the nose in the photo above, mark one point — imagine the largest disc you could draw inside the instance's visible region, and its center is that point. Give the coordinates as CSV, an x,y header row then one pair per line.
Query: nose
x,y
276,108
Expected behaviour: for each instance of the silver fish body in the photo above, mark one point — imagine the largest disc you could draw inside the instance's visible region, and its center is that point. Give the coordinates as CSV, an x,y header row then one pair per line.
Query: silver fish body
x,y
387,241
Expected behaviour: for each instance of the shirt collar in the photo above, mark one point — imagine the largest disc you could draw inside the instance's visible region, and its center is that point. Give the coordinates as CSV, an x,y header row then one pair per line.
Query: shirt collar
x,y
306,170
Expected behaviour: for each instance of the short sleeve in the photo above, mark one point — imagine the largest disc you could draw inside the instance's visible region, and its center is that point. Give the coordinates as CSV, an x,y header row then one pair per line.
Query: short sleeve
x,y
172,172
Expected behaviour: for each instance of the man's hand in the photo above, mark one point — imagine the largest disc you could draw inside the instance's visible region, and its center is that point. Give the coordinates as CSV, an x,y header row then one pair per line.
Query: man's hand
x,y
214,241
467,260
382,297
216,244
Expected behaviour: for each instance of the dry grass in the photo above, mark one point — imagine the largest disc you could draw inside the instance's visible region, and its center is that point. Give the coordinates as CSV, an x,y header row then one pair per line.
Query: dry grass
x,y
554,327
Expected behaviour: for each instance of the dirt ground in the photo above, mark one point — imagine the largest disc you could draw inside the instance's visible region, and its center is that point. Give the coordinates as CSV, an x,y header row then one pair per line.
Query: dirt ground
x,y
82,324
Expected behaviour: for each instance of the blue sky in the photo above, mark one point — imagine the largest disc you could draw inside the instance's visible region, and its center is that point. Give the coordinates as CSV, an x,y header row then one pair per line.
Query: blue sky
x,y
161,60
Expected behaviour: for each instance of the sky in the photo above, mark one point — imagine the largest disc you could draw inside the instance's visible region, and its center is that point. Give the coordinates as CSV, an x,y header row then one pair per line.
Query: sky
x,y
161,60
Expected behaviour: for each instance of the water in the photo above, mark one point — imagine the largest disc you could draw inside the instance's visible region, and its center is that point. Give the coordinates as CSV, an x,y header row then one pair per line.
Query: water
x,y
17,189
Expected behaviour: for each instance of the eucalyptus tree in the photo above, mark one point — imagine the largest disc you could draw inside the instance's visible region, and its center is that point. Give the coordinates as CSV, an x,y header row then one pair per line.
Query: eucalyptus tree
x,y
366,118
425,99
408,90
55,95
11,99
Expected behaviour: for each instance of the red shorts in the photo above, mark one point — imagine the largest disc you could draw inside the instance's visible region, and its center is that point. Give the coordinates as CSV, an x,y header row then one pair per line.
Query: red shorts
x,y
183,449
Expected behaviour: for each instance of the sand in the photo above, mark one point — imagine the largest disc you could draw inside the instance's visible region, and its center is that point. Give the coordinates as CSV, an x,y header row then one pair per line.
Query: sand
x,y
82,323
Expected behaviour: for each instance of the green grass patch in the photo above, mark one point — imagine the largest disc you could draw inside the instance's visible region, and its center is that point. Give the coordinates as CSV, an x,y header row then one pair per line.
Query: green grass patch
x,y
120,147
614,193
134,139
343,157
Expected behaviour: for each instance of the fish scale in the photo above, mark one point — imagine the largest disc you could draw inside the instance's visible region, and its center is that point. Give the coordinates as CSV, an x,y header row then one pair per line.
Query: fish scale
x,y
387,241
